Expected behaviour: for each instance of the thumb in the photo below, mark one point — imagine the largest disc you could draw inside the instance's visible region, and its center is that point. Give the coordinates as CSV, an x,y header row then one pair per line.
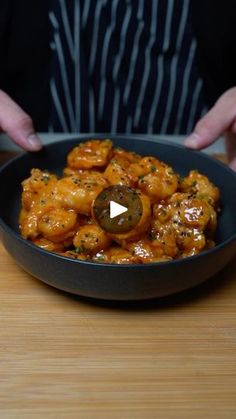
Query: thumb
x,y
17,124
219,119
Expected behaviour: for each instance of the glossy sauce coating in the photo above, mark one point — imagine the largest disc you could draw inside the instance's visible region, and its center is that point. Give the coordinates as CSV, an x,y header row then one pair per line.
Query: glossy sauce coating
x,y
179,215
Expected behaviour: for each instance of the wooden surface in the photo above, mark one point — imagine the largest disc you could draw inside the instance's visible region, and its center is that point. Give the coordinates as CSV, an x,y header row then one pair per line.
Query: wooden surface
x,y
68,357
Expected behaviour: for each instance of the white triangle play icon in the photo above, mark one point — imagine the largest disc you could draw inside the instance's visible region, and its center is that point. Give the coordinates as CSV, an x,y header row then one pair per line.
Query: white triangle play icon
x,y
116,209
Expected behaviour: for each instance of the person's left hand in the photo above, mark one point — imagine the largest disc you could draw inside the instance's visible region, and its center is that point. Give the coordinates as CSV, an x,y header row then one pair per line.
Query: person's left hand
x,y
220,120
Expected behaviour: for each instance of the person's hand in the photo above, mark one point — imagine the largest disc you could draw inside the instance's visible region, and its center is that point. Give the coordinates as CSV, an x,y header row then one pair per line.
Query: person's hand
x,y
17,124
220,120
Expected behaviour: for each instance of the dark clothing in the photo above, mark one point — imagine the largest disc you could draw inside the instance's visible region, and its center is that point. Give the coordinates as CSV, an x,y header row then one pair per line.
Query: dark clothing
x,y
25,56
126,66
25,51
214,23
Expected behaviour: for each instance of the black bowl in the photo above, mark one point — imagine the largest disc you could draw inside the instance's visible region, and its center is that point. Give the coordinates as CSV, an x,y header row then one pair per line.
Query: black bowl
x,y
108,281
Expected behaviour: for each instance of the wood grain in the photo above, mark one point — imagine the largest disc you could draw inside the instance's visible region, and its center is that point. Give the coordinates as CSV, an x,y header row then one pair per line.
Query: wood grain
x,y
68,357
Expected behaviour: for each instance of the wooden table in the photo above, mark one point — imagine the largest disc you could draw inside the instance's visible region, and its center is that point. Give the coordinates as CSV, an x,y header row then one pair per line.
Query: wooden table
x,y
68,357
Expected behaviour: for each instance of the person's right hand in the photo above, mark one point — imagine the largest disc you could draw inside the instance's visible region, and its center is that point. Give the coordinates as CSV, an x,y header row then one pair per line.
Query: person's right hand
x,y
17,124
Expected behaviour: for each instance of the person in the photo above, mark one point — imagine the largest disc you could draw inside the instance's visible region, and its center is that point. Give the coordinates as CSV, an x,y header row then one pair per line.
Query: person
x,y
119,66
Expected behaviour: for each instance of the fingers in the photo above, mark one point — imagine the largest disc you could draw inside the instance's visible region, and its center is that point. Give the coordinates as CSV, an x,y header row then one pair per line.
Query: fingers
x,y
17,124
219,119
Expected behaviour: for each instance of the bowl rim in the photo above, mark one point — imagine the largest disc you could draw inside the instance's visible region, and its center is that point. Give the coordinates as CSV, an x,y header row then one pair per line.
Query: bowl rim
x,y
48,253
136,137
147,137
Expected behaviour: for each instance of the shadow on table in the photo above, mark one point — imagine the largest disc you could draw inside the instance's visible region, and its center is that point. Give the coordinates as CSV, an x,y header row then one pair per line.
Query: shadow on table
x,y
214,286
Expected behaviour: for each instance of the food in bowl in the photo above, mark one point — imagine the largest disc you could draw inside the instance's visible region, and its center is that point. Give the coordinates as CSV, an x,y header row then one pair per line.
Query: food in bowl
x,y
179,215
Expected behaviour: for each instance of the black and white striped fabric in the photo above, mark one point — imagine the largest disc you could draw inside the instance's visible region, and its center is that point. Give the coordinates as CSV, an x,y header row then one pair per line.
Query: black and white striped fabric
x,y
124,66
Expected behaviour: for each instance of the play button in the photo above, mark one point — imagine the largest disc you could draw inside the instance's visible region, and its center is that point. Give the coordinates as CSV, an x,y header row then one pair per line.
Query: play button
x,y
117,209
